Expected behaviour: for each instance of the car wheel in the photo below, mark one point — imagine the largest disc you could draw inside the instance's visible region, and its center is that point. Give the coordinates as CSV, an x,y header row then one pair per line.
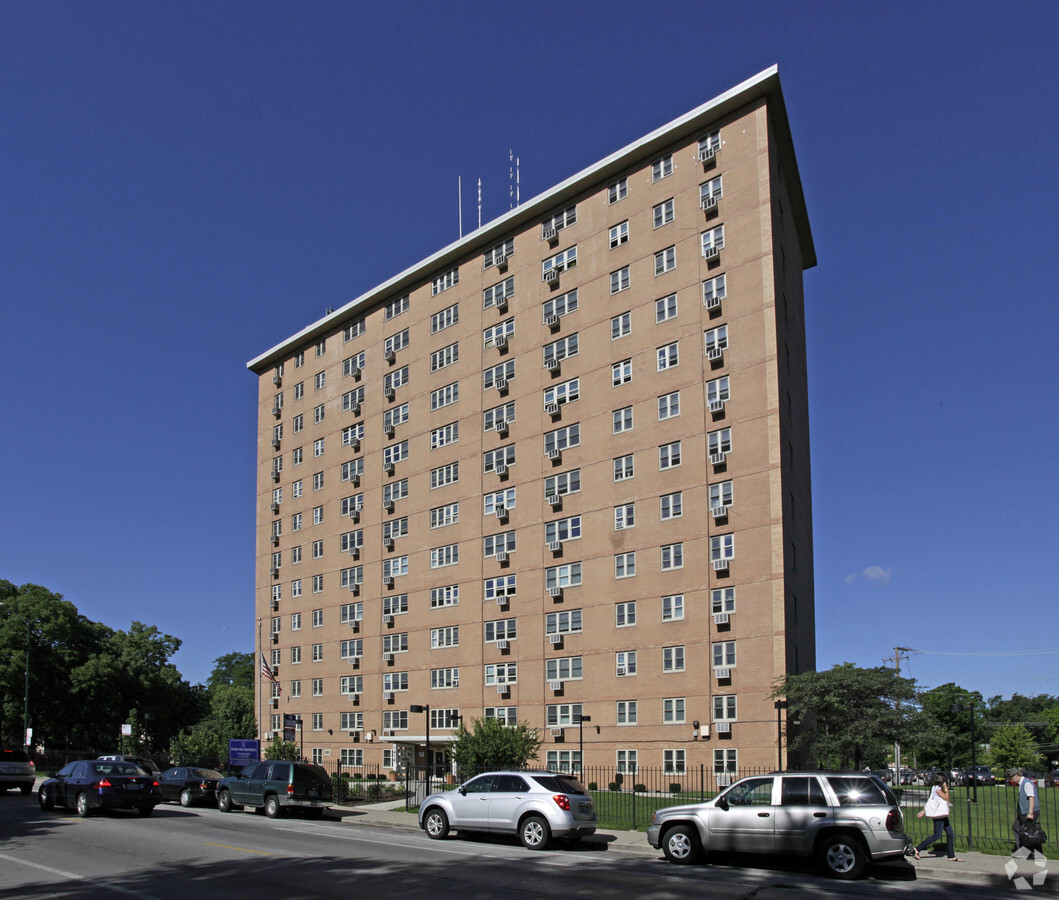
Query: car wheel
x,y
185,797
843,857
224,801
272,808
145,810
44,797
535,833
681,845
436,824
27,789
83,809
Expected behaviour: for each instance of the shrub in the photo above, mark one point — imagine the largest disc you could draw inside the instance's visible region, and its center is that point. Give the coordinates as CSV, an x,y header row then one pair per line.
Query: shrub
x,y
614,786
357,776
592,786
674,787
639,787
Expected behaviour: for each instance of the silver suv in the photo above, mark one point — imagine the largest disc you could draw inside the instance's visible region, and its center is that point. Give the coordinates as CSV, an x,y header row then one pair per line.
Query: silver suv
x,y
536,806
842,820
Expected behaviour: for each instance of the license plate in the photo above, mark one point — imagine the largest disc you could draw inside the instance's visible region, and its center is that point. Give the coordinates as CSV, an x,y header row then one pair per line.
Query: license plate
x,y
586,809
133,787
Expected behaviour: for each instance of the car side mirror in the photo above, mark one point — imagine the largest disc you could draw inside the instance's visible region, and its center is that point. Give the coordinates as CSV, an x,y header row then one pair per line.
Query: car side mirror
x,y
723,803
463,790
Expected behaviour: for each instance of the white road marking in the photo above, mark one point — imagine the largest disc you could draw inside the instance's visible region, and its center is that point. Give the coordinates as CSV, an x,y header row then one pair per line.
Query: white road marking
x,y
73,876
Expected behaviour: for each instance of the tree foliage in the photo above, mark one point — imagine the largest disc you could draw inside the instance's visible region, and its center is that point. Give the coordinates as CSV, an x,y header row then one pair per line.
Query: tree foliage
x,y
850,716
1013,745
278,749
945,736
490,745
235,668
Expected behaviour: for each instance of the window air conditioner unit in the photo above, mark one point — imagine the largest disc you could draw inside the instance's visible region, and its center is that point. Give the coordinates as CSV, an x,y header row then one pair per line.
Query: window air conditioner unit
x,y
387,657
355,371
554,453
387,695
273,604
354,514
501,512
388,505
714,353
354,551
500,468
275,539
275,702
501,645
355,445
719,565
719,512
711,253
720,672
500,260
500,384
390,393
552,409
551,364
556,732
555,685
389,356
501,556
501,688
551,275
388,581
555,546
500,426
354,625
354,661
274,571
354,699
274,507
712,303
554,500
390,430
500,341
275,474
355,409
716,406
555,591
354,479
552,321
388,543
502,599
388,467
708,202
501,304
549,233
717,458
722,727
277,411
555,638
277,379
707,153
721,618
354,736
354,587
387,620
275,637
275,443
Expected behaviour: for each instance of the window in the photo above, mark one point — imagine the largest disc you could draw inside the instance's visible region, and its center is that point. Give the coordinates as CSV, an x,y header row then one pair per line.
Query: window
x,y
351,684
501,630
560,306
318,584
665,309
449,636
394,491
668,356
318,721
722,600
619,234
440,557
661,168
625,614
714,290
567,575
712,241
670,506
298,423
563,438
720,496
626,762
395,681
621,372
318,652
624,516
669,455
444,281
297,455
718,391
295,655
499,500
663,213
447,474
352,470
724,708
621,326
320,380
321,347
560,262
672,556
353,400
722,548
709,145
395,416
394,453
565,622
395,567
673,710
618,190
625,663
506,715
619,280
563,483
296,588
624,565
501,456
566,392
445,396
318,549
350,612
504,542
710,192
447,595
498,294
318,414
349,578
299,359
719,444
391,381
562,714
673,659
673,608
669,406
446,356
352,504
296,688
318,481
716,341
674,761
503,413
560,220
440,516
504,586
625,712
447,434
723,654
621,420
395,719
352,435
498,254
665,260
501,673
354,329
445,318
565,668
395,643
444,679
561,349
353,365
351,649
568,529
299,390
499,376
623,468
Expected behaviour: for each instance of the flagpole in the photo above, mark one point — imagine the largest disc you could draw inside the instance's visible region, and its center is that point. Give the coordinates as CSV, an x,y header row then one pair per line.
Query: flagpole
x,y
260,690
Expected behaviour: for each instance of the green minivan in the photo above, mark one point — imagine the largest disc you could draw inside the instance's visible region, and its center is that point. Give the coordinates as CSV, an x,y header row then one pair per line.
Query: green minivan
x,y
274,786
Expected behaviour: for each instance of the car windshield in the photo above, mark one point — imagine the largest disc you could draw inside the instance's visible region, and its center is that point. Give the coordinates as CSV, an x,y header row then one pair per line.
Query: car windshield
x,y
204,773
565,784
117,768
860,791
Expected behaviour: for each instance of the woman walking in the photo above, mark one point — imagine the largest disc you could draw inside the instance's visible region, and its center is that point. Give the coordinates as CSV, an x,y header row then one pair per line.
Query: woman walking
x,y
937,808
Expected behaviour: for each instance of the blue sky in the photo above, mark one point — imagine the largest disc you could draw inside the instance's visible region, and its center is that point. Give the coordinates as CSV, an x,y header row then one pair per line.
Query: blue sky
x,y
183,185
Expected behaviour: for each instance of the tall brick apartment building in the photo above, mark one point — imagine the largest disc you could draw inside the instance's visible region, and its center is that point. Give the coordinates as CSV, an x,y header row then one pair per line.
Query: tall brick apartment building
x,y
559,468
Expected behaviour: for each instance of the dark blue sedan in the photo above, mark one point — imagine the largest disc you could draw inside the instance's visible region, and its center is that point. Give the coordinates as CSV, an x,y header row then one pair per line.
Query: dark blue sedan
x,y
90,784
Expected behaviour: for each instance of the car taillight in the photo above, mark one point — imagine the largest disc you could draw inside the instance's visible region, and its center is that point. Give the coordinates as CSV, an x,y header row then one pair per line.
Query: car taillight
x,y
562,801
290,790
155,783
893,820
105,782
205,786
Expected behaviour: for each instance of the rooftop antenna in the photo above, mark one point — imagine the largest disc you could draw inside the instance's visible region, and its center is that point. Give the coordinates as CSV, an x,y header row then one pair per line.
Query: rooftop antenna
x,y
513,178
459,189
479,202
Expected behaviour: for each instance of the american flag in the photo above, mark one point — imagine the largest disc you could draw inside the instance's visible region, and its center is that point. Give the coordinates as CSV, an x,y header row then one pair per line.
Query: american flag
x,y
267,672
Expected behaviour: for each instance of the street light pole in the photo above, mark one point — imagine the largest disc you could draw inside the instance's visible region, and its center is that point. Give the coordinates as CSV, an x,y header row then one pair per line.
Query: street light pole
x,y
581,742
781,705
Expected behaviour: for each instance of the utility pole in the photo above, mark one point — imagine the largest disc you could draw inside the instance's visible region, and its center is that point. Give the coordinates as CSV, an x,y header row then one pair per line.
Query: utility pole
x,y
897,744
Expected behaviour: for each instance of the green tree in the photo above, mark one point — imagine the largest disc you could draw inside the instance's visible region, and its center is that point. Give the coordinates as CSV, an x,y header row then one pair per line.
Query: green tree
x,y
492,745
278,749
849,716
1013,745
944,737
233,668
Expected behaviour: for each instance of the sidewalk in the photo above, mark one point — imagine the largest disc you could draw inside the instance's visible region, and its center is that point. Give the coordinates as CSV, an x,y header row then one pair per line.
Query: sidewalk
x,y
975,868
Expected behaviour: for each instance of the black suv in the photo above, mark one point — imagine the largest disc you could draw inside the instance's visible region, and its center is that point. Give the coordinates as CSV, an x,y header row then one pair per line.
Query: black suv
x,y
274,786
